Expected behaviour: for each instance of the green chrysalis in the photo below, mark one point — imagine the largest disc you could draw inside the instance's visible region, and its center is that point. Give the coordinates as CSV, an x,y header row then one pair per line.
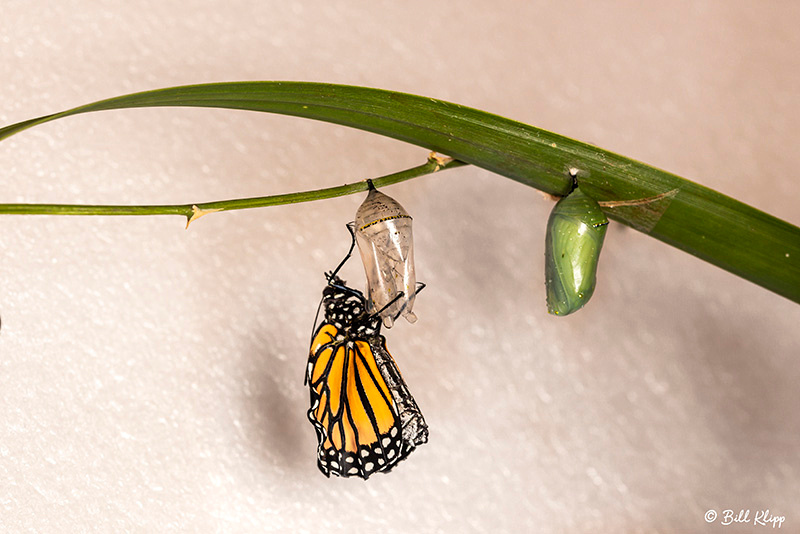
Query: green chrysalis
x,y
575,233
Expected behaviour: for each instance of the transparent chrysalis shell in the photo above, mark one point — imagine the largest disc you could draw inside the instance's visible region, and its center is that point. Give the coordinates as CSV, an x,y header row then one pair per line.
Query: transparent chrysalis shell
x,y
383,234
575,233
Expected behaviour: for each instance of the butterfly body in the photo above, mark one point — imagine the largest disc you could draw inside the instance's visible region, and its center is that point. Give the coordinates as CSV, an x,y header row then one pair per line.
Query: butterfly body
x,y
365,419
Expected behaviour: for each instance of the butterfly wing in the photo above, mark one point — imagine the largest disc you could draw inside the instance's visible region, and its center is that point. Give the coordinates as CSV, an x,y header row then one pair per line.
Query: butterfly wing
x,y
353,409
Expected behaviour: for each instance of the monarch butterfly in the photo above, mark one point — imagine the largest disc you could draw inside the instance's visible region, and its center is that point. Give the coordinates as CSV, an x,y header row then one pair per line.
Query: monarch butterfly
x,y
365,419
575,232
386,245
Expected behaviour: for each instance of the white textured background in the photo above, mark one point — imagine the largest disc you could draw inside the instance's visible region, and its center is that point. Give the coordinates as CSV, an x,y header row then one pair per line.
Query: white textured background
x,y
151,377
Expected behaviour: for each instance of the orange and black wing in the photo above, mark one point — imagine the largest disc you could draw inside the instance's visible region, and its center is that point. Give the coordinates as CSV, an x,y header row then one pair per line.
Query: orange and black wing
x,y
352,408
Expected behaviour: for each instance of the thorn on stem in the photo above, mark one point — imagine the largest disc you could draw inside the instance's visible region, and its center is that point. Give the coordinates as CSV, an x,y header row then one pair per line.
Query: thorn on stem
x,y
197,213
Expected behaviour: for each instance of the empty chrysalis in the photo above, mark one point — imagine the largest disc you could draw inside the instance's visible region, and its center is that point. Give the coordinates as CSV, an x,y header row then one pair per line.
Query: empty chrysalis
x,y
383,234
575,233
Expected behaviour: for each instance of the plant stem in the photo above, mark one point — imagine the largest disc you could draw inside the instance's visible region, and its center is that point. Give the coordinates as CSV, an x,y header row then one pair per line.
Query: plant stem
x,y
193,211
